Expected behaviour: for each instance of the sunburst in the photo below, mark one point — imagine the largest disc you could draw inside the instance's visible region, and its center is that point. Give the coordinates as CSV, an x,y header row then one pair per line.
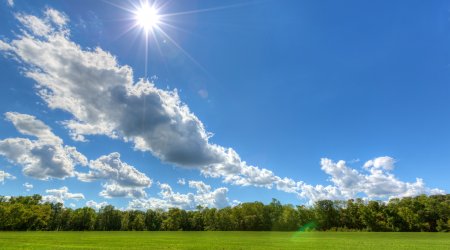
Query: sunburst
x,y
147,17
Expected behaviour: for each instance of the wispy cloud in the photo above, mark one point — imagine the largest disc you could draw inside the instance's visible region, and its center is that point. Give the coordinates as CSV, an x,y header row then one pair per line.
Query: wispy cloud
x,y
6,176
10,3
28,186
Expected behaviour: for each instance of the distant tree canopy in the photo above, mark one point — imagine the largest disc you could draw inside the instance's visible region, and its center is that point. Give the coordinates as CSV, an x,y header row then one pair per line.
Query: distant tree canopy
x,y
411,214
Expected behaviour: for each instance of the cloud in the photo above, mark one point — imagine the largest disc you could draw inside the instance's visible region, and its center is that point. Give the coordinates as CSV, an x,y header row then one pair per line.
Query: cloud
x,y
122,180
96,205
10,3
60,195
104,99
47,158
112,190
43,158
28,186
56,17
204,196
4,176
378,182
384,162
29,125
181,181
200,186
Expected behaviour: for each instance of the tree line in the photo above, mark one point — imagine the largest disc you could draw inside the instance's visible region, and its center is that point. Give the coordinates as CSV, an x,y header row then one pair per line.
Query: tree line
x,y
410,214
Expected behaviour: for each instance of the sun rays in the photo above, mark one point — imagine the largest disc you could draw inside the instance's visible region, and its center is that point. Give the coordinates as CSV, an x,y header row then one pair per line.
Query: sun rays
x,y
147,17
154,23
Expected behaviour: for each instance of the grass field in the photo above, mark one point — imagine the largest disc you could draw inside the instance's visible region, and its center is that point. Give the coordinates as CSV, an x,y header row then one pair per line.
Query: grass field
x,y
222,240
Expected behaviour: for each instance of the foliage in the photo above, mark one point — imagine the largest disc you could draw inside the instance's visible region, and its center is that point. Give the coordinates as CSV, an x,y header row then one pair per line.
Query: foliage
x,y
411,214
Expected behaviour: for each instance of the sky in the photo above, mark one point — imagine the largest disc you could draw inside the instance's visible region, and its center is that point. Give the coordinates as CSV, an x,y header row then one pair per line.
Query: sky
x,y
164,104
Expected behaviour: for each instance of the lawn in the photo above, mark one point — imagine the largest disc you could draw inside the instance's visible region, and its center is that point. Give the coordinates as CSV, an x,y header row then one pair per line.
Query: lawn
x,y
222,240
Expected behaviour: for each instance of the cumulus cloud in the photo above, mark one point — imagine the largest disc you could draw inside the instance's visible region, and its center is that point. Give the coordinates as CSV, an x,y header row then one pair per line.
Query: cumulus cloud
x,y
28,186
43,158
96,205
112,190
376,182
47,157
205,196
4,176
384,162
104,99
110,167
60,195
122,180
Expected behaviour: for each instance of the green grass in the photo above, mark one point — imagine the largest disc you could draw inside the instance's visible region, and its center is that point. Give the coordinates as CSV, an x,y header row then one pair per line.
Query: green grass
x,y
222,240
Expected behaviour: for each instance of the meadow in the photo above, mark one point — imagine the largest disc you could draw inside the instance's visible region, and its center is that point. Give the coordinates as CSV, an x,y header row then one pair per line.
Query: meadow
x,y
223,240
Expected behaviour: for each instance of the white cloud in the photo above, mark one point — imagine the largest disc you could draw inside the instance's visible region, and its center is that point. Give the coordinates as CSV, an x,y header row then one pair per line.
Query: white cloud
x,y
319,192
204,196
110,167
103,99
5,46
4,176
60,195
112,190
122,180
200,186
96,205
181,181
384,162
34,24
28,186
379,182
43,158
56,17
10,3
29,125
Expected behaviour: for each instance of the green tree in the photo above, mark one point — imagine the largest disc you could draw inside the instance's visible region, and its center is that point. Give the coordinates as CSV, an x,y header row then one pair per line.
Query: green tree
x,y
326,214
83,219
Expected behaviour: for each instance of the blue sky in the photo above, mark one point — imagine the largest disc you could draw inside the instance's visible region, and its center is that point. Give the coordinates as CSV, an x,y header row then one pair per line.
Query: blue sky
x,y
305,100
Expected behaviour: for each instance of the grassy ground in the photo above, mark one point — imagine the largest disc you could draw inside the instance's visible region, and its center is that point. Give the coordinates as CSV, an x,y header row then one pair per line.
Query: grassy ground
x,y
222,240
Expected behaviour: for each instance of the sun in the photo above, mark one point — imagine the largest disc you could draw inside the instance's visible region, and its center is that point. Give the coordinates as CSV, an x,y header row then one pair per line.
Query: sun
x,y
147,17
